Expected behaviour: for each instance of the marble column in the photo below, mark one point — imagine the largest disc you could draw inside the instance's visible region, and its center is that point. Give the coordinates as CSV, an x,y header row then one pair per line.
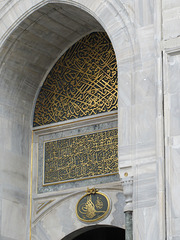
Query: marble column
x,y
127,183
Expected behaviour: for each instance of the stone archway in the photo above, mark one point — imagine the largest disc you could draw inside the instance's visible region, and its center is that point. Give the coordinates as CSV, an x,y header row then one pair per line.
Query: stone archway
x,y
26,57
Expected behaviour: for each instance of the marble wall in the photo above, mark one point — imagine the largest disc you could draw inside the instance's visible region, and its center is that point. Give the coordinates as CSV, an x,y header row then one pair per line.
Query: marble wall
x,y
172,130
145,37
171,71
58,218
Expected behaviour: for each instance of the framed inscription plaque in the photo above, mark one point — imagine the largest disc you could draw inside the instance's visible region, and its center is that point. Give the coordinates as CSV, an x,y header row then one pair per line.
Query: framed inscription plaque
x,y
93,206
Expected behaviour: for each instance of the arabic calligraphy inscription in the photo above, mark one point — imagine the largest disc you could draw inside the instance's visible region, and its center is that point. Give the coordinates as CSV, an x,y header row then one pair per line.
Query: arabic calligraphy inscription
x,y
81,157
83,82
93,207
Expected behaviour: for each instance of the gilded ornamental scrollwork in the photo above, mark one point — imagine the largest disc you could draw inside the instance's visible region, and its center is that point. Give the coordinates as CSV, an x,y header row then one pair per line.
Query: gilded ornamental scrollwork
x,y
83,82
93,206
81,157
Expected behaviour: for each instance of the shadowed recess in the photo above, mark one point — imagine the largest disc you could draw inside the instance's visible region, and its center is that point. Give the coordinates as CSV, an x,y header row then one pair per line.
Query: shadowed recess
x,y
100,232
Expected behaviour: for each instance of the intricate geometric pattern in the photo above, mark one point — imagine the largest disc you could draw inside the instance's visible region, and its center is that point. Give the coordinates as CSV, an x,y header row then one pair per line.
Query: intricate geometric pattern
x,y
81,157
83,82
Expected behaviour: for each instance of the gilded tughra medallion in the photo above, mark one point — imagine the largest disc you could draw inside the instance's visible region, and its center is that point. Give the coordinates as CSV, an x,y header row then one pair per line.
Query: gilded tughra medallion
x,y
93,206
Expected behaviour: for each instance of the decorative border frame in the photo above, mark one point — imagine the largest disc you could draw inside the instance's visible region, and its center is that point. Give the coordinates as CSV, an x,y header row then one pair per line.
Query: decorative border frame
x,y
75,179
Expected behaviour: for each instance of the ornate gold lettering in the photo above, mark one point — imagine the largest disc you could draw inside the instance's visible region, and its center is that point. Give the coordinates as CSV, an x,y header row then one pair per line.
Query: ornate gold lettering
x,y
81,157
83,82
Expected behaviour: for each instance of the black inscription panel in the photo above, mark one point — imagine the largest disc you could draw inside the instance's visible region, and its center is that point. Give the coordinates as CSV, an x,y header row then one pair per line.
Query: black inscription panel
x,y
81,157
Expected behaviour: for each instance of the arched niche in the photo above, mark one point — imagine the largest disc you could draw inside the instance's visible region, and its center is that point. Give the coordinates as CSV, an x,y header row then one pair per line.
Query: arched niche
x,y
30,49
80,92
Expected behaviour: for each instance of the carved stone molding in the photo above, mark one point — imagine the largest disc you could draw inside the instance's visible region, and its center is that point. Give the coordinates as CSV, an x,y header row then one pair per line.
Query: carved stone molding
x,y
127,184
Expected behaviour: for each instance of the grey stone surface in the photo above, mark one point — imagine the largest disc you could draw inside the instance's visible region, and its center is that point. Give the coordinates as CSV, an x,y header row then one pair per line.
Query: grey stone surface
x,y
78,131
145,36
129,225
172,131
65,205
119,219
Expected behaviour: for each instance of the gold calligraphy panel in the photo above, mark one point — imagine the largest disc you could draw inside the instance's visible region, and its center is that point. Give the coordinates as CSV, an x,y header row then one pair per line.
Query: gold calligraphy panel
x,y
81,157
83,82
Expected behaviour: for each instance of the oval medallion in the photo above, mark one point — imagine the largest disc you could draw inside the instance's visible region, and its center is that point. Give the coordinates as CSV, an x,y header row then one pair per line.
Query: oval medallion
x,y
93,207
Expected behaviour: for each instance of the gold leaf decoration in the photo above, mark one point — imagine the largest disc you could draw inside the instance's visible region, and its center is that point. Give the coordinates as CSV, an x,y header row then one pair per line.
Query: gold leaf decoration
x,y
81,157
83,82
